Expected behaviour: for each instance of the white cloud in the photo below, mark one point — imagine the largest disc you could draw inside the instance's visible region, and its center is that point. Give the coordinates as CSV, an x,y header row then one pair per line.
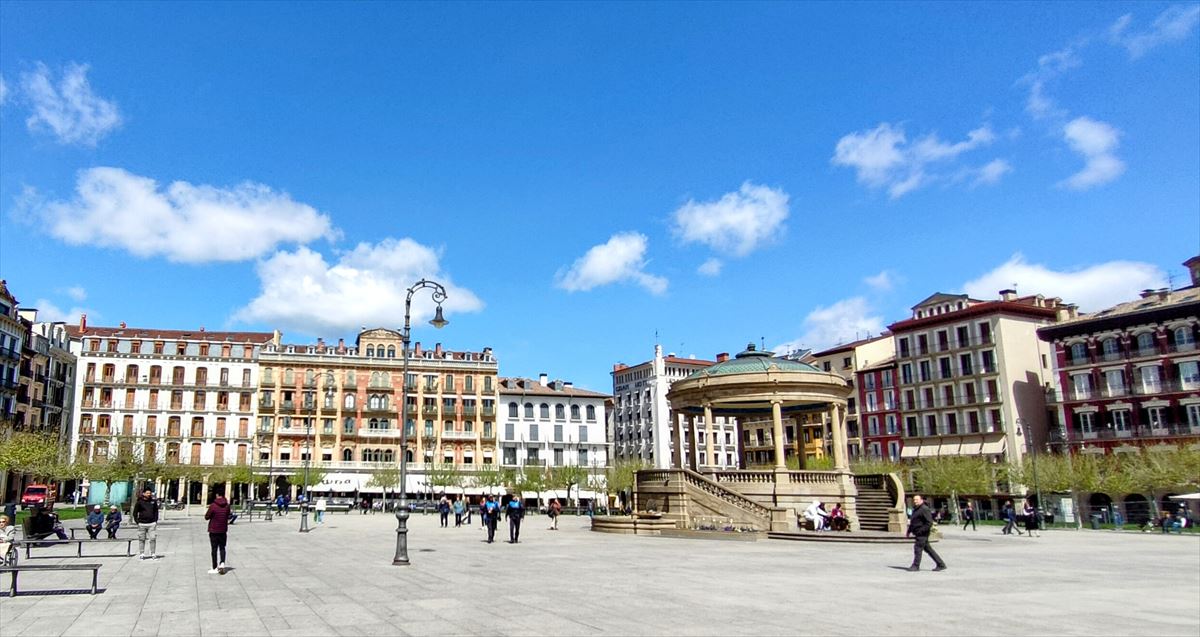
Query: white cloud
x,y
883,158
49,312
1050,66
1172,25
990,173
70,110
737,223
621,258
841,322
77,293
3,91
1092,288
185,223
882,282
367,286
711,267
1095,141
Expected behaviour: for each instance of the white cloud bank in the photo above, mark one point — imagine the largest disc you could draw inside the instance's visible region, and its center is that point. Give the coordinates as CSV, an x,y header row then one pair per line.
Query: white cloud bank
x,y
367,286
621,259
882,282
711,267
1091,288
50,312
68,109
841,322
185,223
737,223
1096,142
883,158
1172,25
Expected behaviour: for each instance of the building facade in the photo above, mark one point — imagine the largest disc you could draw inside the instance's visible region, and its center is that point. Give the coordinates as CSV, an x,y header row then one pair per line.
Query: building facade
x,y
47,390
970,375
169,396
1129,376
880,420
548,423
340,408
12,343
845,360
642,419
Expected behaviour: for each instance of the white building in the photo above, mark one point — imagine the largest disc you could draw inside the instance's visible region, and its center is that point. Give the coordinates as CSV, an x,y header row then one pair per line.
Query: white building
x,y
642,418
551,423
177,396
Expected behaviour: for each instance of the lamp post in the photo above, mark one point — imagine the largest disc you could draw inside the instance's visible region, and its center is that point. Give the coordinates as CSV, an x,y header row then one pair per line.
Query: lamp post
x,y
308,449
438,321
270,475
1062,428
1037,486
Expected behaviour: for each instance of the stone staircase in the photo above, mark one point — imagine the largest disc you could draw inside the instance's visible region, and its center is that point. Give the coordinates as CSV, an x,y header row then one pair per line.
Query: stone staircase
x,y
684,496
874,502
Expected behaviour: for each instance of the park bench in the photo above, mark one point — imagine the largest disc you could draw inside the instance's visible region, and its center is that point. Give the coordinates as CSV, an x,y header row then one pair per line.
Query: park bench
x,y
31,544
83,529
12,591
344,508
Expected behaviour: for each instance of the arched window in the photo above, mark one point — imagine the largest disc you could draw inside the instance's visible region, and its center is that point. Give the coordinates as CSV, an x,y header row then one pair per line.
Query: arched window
x,y
389,456
529,410
1184,336
591,412
385,379
1078,351
310,377
391,351
513,410
574,412
131,373
408,455
350,378
373,423
1111,346
348,401
370,351
329,379
560,412
544,411
384,423
289,377
1145,341
347,455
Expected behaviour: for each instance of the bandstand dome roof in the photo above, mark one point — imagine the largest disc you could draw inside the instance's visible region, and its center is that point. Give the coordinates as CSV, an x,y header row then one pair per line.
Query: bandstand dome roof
x,y
751,361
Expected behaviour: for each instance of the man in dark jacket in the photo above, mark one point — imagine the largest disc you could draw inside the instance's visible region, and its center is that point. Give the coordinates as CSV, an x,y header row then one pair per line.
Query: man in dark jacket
x,y
919,526
218,515
515,511
145,516
95,522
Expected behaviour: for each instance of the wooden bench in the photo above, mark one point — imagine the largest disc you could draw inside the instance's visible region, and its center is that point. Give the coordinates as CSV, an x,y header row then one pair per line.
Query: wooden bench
x,y
12,591
30,544
344,508
83,529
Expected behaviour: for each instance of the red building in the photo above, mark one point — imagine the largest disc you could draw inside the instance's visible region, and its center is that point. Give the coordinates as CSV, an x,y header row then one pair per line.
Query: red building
x,y
1129,376
878,415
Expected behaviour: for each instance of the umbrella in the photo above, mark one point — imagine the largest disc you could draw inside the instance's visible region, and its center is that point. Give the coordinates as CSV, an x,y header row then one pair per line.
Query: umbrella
x,y
1186,496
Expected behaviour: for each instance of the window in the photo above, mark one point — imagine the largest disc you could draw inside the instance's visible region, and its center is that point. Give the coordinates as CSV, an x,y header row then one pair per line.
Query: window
x,y
869,383
348,401
1184,338
988,361
469,384
887,378
512,410
533,433
910,426
931,427
943,340
873,426
985,333
1111,349
922,344
871,406
1193,416
1120,421
449,382
558,433
892,428
906,375
964,364
1151,377
889,400
560,412
962,334
370,351
1145,343
1189,375
574,412
508,431
1114,381
904,351
391,351
925,373
558,457
846,364
544,411
1156,416
944,365
1082,386
591,412
529,410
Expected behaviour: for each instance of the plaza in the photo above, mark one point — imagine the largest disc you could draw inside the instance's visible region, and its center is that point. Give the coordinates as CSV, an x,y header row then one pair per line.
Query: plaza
x,y
338,580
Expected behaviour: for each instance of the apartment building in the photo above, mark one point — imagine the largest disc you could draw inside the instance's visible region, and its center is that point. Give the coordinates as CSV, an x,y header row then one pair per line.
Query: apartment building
x,y
642,426
171,396
845,360
1129,376
552,424
46,393
970,374
340,407
12,340
880,419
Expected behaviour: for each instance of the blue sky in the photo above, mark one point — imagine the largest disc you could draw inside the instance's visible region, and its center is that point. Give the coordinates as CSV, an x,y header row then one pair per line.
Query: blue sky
x,y
586,176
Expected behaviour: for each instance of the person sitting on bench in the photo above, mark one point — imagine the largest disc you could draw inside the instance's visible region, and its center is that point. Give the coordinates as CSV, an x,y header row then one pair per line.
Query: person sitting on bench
x,y
112,522
8,536
95,522
43,524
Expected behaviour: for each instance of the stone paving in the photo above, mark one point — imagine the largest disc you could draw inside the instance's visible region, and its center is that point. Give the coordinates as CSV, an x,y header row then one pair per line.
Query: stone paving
x,y
339,580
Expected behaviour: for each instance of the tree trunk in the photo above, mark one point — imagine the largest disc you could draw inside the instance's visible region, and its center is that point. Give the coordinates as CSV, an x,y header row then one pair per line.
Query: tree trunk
x,y
954,507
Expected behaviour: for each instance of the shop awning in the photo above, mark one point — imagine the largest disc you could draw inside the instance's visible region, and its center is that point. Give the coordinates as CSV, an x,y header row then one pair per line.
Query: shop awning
x,y
949,449
971,448
993,448
909,451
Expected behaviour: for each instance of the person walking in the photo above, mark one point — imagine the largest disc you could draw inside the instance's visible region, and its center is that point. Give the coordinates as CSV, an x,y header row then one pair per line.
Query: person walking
x,y
515,512
490,516
145,515
1031,519
1009,514
919,527
112,521
95,522
555,511
470,508
458,512
218,532
483,502
320,510
969,517
279,504
444,511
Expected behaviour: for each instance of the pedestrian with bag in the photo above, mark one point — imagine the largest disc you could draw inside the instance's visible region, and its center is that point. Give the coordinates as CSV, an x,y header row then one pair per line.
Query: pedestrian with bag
x,y
554,512
218,532
920,525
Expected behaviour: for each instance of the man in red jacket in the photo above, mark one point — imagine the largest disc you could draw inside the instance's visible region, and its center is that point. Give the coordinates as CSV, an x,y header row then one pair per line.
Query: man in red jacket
x,y
218,531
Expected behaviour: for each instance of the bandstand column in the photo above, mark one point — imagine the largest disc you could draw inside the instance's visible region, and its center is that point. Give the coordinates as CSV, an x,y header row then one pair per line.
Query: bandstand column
x,y
710,452
777,429
677,427
691,441
837,422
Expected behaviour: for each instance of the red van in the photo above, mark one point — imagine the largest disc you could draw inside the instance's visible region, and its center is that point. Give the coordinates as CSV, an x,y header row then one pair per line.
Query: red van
x,y
38,494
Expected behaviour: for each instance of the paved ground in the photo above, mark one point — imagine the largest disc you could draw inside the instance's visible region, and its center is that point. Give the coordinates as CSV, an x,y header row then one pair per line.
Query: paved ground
x,y
339,580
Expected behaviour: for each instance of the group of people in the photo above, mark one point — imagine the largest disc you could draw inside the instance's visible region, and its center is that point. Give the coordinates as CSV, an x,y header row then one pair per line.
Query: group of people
x,y
1033,519
823,520
98,521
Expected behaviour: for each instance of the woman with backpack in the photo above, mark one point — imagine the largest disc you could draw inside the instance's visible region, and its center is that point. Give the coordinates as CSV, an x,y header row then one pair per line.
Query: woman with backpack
x,y
218,532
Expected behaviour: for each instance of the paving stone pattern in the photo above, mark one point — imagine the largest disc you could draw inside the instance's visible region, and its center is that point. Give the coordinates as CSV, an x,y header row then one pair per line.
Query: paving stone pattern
x,y
338,580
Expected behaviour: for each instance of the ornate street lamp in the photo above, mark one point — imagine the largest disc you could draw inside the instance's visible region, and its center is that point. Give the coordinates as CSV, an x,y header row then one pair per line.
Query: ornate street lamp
x,y
439,296
308,450
1037,486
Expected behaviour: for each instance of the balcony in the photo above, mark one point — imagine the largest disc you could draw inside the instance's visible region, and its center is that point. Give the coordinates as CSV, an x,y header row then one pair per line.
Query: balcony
x,y
488,412
429,410
1182,347
458,435
379,433
469,412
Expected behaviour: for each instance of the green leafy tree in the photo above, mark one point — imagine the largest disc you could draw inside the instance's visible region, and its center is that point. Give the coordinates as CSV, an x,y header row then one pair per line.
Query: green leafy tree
x,y
532,479
30,453
386,478
954,475
488,478
568,477
315,476
621,477
445,475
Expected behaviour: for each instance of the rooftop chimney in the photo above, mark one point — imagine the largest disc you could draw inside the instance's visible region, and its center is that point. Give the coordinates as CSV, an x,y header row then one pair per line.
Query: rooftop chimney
x,y
567,384
1008,295
1146,293
1164,294
417,349
82,322
341,345
320,344
123,326
543,379
1193,266
437,350
722,357
1066,312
